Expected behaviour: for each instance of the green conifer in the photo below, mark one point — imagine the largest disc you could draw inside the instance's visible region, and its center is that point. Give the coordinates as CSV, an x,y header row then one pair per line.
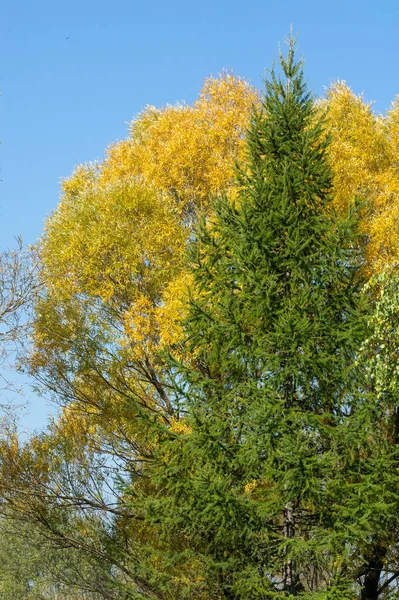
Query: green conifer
x,y
276,322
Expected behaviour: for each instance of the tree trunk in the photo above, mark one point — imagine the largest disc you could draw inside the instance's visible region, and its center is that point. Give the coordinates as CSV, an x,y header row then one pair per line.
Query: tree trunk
x,y
291,579
370,590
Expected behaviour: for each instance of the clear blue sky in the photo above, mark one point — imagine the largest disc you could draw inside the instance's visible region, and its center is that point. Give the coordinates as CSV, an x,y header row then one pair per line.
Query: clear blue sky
x,y
73,73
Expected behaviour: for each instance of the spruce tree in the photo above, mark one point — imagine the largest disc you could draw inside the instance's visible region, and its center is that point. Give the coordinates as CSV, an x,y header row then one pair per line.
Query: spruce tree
x,y
276,319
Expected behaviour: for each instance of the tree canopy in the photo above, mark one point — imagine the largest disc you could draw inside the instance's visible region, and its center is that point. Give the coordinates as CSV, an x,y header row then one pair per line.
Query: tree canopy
x,y
215,312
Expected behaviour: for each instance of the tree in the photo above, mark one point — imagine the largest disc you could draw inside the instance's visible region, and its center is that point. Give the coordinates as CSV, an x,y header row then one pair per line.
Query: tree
x,y
100,321
275,323
113,285
377,559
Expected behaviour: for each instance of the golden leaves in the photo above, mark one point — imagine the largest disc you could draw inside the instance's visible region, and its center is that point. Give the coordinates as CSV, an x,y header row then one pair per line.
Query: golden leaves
x,y
171,313
119,234
187,152
250,486
111,240
180,427
364,157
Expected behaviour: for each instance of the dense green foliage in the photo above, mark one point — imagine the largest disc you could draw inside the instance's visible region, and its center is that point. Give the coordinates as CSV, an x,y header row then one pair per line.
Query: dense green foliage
x,y
276,405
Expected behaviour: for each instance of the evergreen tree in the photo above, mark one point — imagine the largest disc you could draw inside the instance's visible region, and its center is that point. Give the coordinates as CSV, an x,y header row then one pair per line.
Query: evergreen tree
x,y
276,319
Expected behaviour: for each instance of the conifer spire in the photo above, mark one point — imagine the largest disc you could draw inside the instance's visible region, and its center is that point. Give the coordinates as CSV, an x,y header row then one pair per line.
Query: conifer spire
x,y
274,323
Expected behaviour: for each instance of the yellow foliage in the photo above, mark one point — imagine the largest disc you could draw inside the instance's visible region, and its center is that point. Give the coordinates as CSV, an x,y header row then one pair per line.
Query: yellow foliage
x,y
364,157
188,152
250,486
171,313
180,426
114,242
120,232
75,425
141,327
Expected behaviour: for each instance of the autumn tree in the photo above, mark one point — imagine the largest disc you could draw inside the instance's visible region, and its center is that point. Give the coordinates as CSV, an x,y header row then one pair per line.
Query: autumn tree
x,y
100,323
132,215
113,285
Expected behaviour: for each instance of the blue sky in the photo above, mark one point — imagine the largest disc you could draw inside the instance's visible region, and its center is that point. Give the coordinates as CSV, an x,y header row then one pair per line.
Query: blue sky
x,y
75,72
